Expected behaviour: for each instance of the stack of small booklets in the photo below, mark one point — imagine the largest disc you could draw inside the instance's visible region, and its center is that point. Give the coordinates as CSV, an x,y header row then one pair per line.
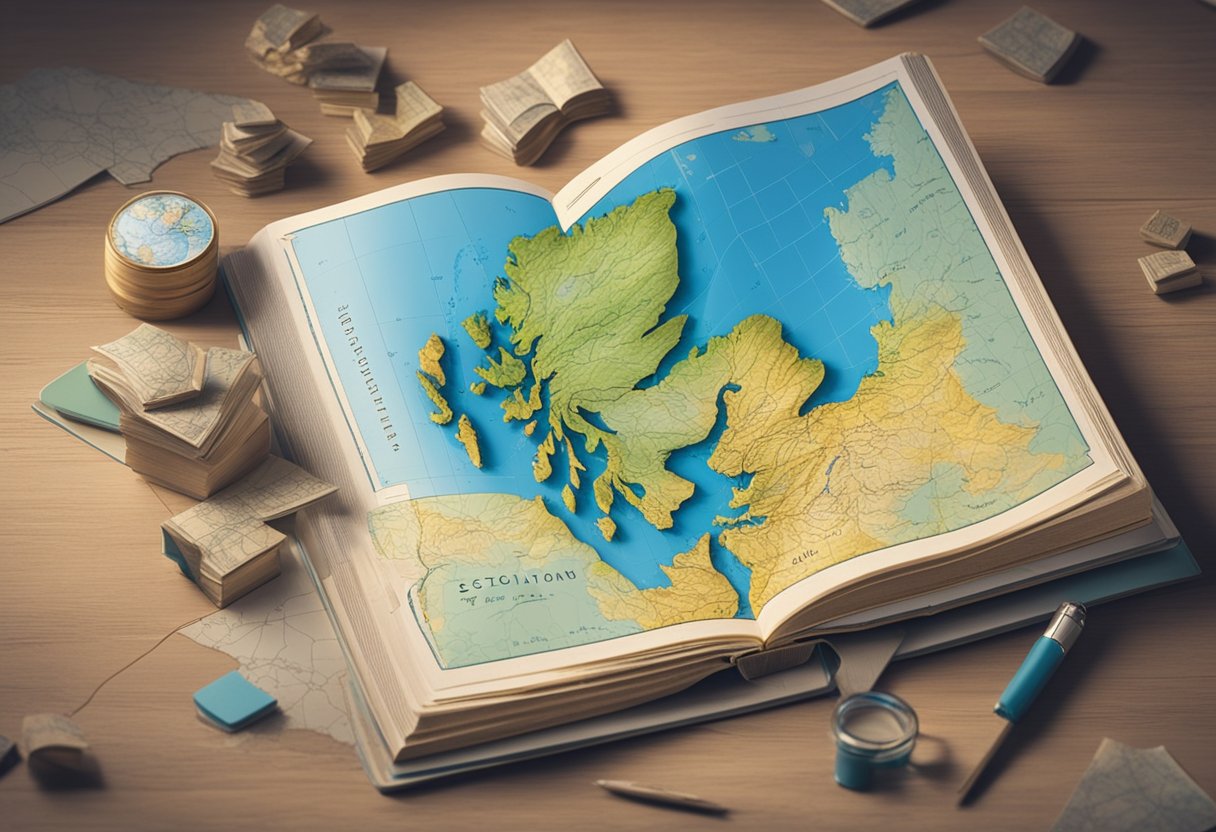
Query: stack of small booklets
x,y
342,75
224,545
255,150
341,92
189,416
282,42
525,113
379,139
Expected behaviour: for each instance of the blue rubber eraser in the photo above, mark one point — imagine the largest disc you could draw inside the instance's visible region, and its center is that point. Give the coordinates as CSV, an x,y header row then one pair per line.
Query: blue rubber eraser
x,y
232,702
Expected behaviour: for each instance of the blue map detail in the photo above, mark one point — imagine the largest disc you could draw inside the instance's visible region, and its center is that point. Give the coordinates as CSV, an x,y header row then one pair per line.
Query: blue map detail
x,y
752,238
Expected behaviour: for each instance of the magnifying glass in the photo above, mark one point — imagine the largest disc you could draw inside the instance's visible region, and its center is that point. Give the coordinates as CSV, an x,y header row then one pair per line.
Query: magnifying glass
x,y
872,730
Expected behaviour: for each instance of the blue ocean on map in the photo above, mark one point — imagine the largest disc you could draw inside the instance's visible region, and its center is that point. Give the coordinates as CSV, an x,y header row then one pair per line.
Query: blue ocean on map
x,y
752,239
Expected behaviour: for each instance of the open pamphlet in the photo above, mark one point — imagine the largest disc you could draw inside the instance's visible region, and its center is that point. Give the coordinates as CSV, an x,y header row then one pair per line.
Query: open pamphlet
x,y
764,374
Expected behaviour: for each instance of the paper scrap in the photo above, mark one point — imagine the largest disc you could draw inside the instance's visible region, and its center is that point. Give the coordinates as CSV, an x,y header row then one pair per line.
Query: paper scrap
x,y
75,396
1127,788
232,702
53,739
63,126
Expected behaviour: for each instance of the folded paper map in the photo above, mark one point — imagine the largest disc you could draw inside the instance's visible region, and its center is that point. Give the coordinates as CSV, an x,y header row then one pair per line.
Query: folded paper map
x,y
224,545
62,127
159,369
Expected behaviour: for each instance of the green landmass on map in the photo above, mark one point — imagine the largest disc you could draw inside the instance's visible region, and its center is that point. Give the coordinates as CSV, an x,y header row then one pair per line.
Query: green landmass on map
x,y
478,328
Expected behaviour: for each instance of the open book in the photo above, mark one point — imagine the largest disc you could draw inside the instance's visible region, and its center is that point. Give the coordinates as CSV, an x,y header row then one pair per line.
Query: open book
x,y
524,113
772,371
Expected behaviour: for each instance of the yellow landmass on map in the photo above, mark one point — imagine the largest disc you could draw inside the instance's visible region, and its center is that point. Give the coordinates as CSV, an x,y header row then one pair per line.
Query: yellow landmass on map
x,y
647,425
429,357
542,466
444,413
574,466
832,484
519,408
697,592
607,527
498,576
468,437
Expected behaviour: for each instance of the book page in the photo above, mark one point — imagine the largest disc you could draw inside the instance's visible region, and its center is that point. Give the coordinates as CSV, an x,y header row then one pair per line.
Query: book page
x,y
819,203
414,106
563,74
517,104
395,316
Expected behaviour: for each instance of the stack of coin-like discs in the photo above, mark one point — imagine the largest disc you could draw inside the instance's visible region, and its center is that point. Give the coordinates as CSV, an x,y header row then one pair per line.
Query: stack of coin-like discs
x,y
161,253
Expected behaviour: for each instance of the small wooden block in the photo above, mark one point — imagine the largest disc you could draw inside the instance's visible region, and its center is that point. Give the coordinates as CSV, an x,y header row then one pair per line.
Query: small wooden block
x,y
1031,44
1166,231
1169,271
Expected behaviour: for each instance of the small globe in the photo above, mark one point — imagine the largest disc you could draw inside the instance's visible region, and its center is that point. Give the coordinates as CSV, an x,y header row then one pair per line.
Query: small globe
x,y
161,230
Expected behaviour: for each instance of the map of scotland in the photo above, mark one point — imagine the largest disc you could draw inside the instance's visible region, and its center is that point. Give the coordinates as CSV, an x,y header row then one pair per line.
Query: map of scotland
x,y
763,353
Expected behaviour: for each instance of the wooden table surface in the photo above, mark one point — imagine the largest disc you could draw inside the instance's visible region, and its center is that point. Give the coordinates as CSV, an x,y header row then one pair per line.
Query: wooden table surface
x,y
1080,165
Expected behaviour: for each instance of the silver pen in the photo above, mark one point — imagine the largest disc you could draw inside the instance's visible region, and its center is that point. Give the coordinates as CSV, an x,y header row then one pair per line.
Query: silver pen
x,y
662,797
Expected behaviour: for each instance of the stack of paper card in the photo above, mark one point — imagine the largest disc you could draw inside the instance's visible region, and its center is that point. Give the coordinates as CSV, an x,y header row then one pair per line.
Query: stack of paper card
x,y
1031,44
255,150
232,702
525,113
283,42
378,139
196,445
1166,231
1169,271
282,30
342,91
224,545
868,12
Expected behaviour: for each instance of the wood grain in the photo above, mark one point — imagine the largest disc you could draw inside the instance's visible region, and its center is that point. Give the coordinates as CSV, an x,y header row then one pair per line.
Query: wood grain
x,y
1127,129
